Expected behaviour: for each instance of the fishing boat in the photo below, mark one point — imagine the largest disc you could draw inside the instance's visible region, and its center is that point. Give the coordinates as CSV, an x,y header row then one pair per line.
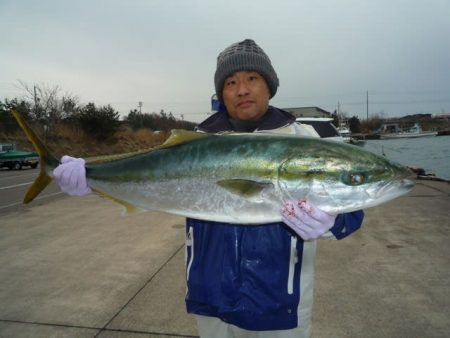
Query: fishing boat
x,y
414,131
345,132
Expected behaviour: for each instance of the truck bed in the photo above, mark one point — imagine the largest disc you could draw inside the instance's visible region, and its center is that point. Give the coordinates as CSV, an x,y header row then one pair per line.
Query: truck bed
x,y
12,155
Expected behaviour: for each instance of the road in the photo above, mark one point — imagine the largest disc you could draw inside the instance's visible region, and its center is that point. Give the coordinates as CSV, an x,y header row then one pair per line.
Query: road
x,y
75,267
15,183
78,267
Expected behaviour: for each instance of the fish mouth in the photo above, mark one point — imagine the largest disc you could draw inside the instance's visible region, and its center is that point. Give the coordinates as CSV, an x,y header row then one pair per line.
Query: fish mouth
x,y
394,189
408,184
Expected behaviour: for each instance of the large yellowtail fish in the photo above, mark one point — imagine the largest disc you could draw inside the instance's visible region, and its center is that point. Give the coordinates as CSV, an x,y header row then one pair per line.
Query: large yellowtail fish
x,y
239,177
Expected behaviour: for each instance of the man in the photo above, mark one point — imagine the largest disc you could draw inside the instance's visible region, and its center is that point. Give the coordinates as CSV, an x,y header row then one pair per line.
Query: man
x,y
248,281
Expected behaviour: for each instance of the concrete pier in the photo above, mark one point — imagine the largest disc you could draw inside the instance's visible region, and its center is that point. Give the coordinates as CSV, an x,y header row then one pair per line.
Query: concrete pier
x,y
74,267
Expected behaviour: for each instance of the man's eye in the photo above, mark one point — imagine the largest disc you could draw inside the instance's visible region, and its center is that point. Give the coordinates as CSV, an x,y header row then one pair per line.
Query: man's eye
x,y
230,83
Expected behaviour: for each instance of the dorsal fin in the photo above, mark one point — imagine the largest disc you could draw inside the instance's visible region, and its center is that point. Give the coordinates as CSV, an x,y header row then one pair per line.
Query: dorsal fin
x,y
114,157
178,136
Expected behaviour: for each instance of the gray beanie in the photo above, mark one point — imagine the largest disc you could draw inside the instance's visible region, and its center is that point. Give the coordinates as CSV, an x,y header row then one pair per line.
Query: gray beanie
x,y
244,56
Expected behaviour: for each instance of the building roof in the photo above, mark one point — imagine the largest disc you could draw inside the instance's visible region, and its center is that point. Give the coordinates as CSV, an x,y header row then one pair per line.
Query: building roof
x,y
308,112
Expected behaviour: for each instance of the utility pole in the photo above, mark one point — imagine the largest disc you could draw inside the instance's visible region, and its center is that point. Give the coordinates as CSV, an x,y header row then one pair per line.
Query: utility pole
x,y
367,105
339,114
35,97
36,104
140,104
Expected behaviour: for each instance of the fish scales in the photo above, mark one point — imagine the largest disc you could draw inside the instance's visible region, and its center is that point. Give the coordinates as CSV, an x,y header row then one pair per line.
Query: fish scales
x,y
210,157
242,178
184,179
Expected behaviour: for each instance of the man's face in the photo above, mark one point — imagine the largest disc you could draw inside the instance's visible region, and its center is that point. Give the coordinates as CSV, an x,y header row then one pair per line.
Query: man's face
x,y
246,96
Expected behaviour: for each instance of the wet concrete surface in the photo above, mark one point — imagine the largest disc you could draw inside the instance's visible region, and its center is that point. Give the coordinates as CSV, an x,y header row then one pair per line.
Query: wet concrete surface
x,y
75,267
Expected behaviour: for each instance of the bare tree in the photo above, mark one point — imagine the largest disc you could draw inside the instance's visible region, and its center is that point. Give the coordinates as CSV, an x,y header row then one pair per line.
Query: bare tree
x,y
49,106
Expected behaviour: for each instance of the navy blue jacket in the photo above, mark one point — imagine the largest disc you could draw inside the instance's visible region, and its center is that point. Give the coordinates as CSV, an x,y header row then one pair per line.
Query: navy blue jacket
x,y
249,276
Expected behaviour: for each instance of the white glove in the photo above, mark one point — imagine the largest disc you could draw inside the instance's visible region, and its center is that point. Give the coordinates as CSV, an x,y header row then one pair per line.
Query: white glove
x,y
308,221
71,176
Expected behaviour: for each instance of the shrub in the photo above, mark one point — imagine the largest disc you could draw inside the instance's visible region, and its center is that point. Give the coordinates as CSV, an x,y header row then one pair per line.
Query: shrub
x,y
101,123
7,122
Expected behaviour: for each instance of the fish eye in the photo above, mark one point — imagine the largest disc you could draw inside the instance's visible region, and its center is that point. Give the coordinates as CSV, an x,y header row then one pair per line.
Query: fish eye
x,y
354,178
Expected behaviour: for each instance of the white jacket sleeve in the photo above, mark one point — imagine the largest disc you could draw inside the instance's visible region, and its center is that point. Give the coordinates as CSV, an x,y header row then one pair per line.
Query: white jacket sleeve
x,y
305,130
294,128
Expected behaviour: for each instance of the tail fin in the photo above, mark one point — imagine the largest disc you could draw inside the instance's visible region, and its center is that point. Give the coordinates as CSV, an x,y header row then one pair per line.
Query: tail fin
x,y
47,160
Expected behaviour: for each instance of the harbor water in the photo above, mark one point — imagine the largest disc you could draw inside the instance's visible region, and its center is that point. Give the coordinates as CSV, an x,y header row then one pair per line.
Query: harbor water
x,y
429,153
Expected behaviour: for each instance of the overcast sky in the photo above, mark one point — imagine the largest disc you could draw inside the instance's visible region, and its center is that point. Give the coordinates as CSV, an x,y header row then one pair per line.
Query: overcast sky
x,y
163,52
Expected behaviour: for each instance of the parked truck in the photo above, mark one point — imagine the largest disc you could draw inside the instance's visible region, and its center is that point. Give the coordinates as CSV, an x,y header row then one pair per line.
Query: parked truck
x,y
15,159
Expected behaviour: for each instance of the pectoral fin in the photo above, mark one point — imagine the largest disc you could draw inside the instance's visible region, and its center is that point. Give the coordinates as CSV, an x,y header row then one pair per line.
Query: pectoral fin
x,y
244,188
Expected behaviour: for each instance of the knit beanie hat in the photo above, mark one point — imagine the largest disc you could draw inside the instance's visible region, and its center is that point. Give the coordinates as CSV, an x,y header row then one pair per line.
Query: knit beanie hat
x,y
244,56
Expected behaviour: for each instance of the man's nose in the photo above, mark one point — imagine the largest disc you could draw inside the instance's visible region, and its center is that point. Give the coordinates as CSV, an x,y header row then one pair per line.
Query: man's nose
x,y
242,88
